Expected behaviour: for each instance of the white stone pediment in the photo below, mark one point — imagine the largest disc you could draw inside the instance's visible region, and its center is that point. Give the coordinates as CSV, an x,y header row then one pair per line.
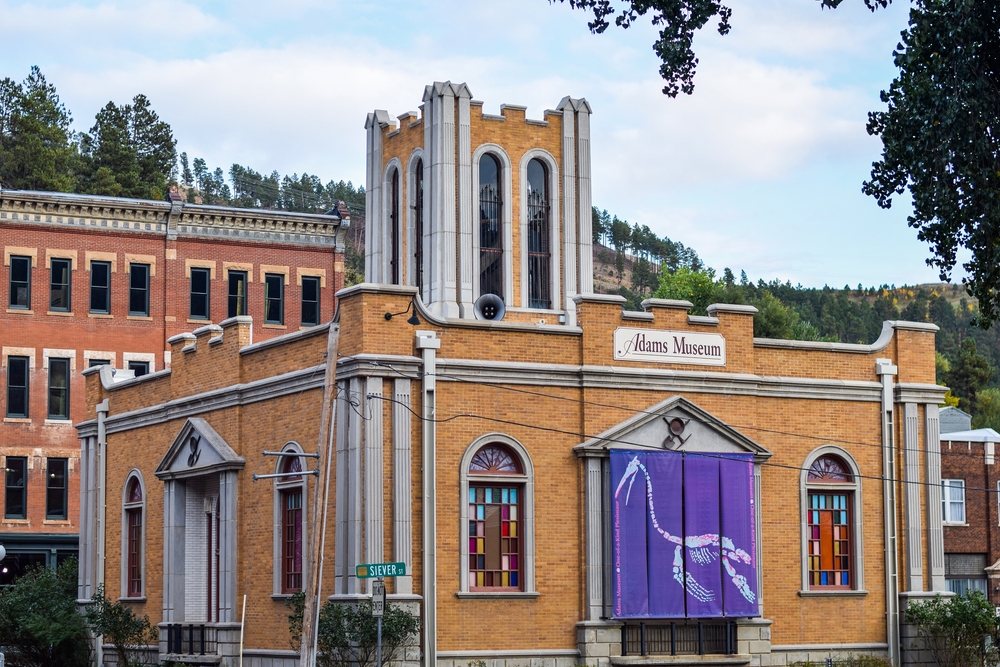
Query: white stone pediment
x,y
197,450
675,424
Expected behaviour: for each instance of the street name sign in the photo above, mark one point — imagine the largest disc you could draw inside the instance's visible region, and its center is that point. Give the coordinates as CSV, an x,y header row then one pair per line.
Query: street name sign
x,y
380,570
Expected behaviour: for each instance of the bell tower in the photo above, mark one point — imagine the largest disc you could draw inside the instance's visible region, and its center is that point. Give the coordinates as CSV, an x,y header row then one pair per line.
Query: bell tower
x,y
461,203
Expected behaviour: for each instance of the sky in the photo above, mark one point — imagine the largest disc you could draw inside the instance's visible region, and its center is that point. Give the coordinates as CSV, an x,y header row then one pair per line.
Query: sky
x,y
759,170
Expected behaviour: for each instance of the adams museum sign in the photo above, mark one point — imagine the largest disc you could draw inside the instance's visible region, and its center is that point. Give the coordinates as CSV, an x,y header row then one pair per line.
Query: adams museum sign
x,y
670,347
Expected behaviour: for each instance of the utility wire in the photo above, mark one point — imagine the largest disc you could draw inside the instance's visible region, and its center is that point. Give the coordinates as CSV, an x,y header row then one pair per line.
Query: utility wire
x,y
745,427
717,455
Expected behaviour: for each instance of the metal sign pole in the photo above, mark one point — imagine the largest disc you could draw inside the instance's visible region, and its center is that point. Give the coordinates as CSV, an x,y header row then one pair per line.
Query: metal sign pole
x,y
378,608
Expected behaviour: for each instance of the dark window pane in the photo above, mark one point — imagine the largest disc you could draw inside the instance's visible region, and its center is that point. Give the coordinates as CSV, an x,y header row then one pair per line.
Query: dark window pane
x,y
17,564
394,272
140,367
310,300
539,255
237,293
59,285
59,388
20,282
98,362
490,227
199,294
418,227
55,498
138,290
100,287
17,386
274,306
15,490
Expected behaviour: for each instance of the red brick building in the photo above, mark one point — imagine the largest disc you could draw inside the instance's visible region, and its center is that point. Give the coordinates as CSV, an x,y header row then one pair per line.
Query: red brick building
x,y
970,487
100,280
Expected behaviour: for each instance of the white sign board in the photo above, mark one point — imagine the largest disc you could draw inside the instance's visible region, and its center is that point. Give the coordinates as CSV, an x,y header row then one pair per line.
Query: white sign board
x,y
670,347
378,598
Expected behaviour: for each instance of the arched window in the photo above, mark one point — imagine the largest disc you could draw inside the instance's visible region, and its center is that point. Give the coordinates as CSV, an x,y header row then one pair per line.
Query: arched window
x,y
394,251
497,535
418,226
289,522
832,535
490,226
539,236
133,536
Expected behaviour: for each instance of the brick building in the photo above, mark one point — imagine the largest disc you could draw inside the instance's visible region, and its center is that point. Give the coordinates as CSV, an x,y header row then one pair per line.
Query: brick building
x,y
513,461
101,280
970,511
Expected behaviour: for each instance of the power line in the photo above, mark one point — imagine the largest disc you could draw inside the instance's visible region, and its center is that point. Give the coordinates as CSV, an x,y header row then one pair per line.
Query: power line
x,y
717,455
650,412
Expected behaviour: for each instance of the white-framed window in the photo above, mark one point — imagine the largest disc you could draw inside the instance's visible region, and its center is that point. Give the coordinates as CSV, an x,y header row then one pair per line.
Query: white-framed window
x,y
953,501
832,542
134,536
497,519
289,522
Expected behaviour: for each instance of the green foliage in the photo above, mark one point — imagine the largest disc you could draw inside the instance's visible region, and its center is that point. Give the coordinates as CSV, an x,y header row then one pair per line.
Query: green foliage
x,y
129,152
698,287
129,634
40,625
37,149
938,141
969,373
347,634
987,414
962,631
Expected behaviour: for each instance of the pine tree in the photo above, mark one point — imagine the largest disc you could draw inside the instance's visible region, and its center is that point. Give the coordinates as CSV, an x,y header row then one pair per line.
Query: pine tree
x,y
37,149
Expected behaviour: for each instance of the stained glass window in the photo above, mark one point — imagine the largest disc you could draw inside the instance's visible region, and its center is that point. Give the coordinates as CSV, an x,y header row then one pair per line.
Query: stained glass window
x,y
830,527
829,468
133,534
292,543
494,460
494,537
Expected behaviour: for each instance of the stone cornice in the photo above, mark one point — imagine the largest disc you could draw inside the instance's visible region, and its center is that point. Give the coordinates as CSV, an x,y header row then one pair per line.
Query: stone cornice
x,y
162,218
516,373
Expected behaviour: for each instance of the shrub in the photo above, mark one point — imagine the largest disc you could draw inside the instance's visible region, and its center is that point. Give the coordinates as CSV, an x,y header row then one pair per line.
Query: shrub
x,y
40,625
962,631
348,633
129,634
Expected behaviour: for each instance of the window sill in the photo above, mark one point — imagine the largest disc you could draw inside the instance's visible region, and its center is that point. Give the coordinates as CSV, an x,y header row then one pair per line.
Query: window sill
x,y
58,422
140,599
198,320
955,525
57,522
16,522
832,594
281,596
101,316
307,326
497,595
60,313
273,326
141,318
20,311
17,420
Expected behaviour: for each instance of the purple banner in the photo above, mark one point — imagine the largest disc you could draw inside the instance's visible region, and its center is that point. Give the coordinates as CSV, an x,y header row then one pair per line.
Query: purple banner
x,y
701,536
683,535
739,535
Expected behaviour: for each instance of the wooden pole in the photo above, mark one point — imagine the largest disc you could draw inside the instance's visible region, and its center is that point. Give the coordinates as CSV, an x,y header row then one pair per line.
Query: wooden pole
x,y
310,616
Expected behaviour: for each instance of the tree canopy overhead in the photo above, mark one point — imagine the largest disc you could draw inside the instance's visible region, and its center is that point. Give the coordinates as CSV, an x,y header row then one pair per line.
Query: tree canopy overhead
x,y
939,131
